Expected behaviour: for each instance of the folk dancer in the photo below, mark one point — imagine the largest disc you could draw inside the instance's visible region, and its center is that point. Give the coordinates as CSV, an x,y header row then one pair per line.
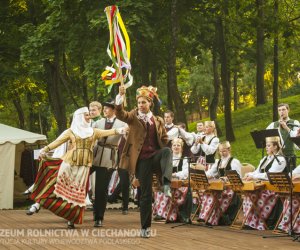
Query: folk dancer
x,y
105,159
62,189
145,150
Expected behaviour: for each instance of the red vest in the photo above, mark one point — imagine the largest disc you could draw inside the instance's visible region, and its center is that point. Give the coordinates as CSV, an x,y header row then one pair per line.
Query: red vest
x,y
150,146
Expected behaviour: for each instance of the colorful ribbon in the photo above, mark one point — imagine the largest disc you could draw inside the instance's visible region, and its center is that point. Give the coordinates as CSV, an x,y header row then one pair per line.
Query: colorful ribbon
x,y
118,50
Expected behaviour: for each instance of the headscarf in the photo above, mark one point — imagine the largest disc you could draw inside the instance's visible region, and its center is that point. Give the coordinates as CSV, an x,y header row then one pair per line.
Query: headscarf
x,y
79,125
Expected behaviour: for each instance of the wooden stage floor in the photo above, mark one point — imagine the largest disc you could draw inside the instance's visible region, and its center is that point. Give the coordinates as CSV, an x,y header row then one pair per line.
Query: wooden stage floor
x,y
47,231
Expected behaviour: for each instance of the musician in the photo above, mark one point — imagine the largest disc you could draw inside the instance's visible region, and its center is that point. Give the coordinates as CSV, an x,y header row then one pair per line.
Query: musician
x,y
178,131
168,118
145,149
287,128
200,130
164,207
228,201
266,200
105,159
205,147
226,162
274,162
296,173
284,224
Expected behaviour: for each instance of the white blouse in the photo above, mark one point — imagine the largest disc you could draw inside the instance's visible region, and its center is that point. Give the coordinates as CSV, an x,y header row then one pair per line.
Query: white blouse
x,y
207,149
235,165
184,173
277,167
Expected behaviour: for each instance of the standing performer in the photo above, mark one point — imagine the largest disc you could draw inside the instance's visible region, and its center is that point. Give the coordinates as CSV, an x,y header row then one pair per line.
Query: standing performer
x,y
287,128
95,109
105,159
145,151
178,131
62,190
205,147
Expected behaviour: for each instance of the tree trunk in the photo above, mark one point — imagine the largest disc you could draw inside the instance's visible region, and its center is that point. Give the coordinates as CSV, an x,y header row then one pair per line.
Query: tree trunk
x,y
84,84
215,100
260,57
276,66
235,92
21,116
225,81
31,121
172,76
56,99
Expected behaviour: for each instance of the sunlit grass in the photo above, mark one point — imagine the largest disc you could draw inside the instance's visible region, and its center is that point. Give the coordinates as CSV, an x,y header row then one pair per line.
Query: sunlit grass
x,y
248,119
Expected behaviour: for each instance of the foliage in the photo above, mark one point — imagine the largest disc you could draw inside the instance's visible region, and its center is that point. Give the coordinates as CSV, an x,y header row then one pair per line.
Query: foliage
x,y
255,118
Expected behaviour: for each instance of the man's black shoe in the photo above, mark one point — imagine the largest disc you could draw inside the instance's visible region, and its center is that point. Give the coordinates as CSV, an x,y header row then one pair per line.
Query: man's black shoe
x,y
98,223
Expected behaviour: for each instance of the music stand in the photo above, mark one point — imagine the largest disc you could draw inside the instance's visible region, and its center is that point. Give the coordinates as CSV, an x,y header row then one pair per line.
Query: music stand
x,y
259,137
282,182
237,186
235,180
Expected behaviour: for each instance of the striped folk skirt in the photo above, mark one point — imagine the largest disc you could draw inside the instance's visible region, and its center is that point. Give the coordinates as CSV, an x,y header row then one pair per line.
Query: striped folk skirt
x,y
44,192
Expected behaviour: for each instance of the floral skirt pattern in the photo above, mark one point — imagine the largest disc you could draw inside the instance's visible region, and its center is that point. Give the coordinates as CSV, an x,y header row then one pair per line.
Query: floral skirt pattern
x,y
264,201
211,213
284,224
166,207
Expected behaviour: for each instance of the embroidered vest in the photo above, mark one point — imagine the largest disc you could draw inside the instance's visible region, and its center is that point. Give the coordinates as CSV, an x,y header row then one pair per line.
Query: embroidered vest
x,y
179,167
221,171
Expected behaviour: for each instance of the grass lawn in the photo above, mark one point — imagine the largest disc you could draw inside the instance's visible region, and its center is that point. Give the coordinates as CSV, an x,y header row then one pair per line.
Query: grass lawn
x,y
249,119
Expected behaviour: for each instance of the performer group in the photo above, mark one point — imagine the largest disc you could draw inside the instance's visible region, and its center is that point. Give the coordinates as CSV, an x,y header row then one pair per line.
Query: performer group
x,y
97,156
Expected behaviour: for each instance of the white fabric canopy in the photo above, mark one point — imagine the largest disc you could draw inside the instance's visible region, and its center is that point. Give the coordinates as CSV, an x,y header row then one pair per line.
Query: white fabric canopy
x,y
10,137
16,135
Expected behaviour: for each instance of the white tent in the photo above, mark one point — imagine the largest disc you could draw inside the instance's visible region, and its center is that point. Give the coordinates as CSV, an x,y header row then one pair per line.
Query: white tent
x,y
12,142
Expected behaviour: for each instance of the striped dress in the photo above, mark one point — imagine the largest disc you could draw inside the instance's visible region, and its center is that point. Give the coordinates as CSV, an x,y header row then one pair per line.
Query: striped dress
x,y
43,192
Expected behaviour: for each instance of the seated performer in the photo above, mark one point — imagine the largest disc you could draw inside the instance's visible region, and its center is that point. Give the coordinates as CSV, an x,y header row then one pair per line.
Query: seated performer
x,y
204,148
228,201
265,200
163,207
284,224
62,189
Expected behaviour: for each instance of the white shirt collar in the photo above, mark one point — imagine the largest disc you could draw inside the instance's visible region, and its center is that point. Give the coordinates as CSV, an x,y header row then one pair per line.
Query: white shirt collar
x,y
145,117
169,125
111,119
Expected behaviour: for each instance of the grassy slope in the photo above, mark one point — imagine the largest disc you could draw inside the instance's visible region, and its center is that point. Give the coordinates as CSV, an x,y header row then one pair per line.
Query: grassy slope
x,y
249,119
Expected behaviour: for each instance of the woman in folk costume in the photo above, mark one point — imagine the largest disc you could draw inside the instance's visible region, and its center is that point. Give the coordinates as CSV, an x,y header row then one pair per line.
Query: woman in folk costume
x,y
205,147
227,200
265,200
284,224
145,149
165,207
62,189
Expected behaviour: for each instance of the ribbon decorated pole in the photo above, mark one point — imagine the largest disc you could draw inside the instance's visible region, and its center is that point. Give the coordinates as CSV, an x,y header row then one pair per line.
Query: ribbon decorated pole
x,y
118,50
